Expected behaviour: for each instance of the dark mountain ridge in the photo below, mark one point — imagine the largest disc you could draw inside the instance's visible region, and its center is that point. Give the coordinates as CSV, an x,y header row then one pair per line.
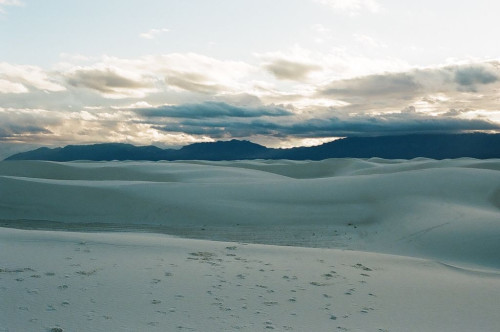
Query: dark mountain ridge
x,y
435,146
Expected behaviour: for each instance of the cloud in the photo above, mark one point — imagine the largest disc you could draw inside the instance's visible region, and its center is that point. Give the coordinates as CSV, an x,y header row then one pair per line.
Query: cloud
x,y
31,76
433,88
181,98
201,74
391,124
470,76
194,82
212,110
313,68
110,82
136,78
290,70
11,87
5,3
455,112
21,125
337,125
15,131
352,6
399,84
153,33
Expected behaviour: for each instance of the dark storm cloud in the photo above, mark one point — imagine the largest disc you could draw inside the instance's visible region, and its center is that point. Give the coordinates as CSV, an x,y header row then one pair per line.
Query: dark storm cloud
x,y
402,123
11,131
212,110
405,122
219,129
290,70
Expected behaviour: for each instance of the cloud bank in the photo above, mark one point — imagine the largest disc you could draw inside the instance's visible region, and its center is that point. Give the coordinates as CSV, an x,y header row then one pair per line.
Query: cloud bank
x,y
404,122
180,98
211,110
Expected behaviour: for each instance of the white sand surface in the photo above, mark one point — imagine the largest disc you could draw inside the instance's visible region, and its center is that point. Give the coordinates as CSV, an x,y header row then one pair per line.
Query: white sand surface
x,y
340,244
447,210
144,282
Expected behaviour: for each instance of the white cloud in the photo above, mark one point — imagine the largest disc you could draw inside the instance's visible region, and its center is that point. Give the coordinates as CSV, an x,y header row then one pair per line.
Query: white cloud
x,y
140,104
336,64
177,73
153,33
5,3
352,6
11,87
29,75
191,72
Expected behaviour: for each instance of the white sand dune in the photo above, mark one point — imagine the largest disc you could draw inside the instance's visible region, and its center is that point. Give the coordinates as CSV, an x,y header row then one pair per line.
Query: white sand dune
x,y
447,210
423,239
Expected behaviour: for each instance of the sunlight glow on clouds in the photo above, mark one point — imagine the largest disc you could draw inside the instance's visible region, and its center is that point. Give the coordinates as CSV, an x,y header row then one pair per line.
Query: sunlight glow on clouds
x,y
11,87
29,75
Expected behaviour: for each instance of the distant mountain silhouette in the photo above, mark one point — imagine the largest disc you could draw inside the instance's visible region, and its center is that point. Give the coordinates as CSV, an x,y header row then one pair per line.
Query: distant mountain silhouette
x,y
435,146
228,150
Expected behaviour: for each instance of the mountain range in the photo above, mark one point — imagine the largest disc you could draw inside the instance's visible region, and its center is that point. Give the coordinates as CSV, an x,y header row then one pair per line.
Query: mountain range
x,y
435,146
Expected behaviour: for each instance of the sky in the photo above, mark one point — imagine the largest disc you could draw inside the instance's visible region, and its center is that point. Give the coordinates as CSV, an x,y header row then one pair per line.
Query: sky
x,y
281,73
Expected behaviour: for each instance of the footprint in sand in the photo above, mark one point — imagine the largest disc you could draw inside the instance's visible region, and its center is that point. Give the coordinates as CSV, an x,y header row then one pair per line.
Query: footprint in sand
x,y
86,273
56,329
362,267
269,325
366,310
350,291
